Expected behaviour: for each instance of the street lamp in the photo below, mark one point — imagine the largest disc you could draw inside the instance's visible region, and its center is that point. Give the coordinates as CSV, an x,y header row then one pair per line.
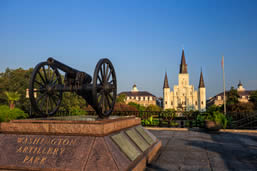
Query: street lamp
x,y
27,96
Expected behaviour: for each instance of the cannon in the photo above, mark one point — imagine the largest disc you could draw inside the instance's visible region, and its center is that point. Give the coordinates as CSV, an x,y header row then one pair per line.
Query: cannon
x,y
47,84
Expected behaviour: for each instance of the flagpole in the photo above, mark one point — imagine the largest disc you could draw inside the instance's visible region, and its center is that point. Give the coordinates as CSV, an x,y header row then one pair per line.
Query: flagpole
x,y
224,87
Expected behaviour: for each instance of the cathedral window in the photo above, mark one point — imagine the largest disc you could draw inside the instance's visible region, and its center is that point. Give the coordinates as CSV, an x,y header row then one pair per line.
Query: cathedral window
x,y
171,103
195,102
202,102
165,102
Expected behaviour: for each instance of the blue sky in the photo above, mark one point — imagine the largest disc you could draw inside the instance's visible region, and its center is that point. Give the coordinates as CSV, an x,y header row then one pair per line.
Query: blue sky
x,y
143,39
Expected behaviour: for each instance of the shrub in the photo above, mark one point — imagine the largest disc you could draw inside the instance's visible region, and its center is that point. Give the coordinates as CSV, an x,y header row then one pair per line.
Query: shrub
x,y
168,114
6,114
77,111
215,116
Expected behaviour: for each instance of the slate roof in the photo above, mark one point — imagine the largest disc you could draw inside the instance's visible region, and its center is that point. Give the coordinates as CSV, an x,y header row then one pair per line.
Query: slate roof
x,y
201,82
240,93
183,65
138,93
166,83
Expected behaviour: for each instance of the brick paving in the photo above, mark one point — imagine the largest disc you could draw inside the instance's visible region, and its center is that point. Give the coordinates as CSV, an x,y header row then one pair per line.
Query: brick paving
x,y
196,150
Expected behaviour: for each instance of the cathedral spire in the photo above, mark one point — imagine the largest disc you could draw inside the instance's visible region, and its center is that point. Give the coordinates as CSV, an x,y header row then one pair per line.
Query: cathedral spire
x,y
183,65
201,82
166,84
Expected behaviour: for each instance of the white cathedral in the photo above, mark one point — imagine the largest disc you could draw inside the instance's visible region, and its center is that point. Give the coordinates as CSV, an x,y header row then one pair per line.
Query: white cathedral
x,y
184,97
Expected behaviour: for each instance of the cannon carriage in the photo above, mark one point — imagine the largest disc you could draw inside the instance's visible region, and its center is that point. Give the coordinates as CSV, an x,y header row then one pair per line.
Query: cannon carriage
x,y
46,81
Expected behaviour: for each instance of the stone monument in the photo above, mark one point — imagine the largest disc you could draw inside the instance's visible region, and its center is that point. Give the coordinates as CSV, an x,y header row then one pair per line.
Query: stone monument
x,y
75,142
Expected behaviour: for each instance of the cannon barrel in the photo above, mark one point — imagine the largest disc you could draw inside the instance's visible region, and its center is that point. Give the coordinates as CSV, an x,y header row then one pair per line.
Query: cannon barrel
x,y
70,71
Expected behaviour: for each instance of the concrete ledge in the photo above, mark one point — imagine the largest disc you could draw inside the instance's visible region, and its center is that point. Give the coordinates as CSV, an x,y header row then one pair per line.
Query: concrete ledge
x,y
239,130
53,127
141,165
154,151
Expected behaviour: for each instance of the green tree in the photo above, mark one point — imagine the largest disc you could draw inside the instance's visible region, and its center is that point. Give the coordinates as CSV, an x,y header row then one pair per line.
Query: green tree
x,y
253,99
232,99
12,98
213,108
121,98
6,114
138,106
168,115
153,108
71,102
15,80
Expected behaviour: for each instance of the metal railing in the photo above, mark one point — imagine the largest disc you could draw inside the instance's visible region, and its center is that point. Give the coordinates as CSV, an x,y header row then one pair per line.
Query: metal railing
x,y
179,119
244,120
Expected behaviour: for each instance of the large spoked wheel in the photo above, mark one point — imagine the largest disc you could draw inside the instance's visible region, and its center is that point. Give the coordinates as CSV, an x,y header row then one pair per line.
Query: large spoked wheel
x,y
104,89
43,97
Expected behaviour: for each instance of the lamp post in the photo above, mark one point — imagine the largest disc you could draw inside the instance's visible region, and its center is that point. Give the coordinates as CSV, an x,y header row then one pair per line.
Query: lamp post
x,y
27,96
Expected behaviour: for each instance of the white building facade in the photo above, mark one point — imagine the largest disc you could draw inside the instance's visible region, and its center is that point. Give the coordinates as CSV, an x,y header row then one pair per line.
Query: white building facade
x,y
184,97
143,98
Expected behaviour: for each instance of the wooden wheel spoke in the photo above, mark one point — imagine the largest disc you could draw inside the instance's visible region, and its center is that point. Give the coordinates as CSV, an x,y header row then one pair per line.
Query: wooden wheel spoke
x,y
111,82
39,83
109,95
52,78
101,72
105,105
109,75
47,101
41,77
99,98
54,82
45,74
54,100
42,102
104,72
51,103
48,71
40,97
98,77
108,101
101,101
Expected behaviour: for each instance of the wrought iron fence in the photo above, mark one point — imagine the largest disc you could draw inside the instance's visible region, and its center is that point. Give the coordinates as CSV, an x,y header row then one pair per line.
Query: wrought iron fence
x,y
244,120
179,119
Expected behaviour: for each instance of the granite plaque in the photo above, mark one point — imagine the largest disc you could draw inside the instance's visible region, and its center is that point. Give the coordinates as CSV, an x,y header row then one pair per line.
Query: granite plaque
x,y
126,146
44,151
144,134
137,139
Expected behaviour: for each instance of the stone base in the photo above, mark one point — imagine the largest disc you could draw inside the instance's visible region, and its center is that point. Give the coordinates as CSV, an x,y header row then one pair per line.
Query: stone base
x,y
118,143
